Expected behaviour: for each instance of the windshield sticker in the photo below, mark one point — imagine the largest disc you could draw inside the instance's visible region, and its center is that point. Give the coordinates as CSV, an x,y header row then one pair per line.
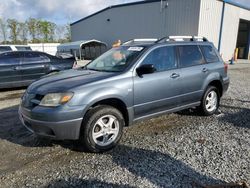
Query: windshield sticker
x,y
138,49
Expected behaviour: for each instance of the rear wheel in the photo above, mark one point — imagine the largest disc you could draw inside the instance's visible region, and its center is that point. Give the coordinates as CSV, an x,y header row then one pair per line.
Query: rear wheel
x,y
102,128
210,101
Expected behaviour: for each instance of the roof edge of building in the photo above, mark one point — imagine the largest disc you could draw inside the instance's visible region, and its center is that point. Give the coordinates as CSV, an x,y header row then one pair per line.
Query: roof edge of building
x,y
237,4
115,6
145,2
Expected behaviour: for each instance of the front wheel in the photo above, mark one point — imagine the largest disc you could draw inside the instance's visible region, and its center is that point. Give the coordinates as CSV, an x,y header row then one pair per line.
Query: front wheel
x,y
102,128
210,101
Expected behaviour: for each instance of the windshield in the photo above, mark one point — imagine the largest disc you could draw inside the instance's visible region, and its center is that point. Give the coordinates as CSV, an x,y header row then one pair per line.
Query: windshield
x,y
116,59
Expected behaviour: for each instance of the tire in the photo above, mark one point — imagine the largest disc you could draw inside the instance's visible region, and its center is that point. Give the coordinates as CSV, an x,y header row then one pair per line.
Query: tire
x,y
210,101
101,129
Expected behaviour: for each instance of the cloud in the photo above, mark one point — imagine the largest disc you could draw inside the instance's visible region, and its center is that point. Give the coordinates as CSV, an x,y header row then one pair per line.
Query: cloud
x,y
59,11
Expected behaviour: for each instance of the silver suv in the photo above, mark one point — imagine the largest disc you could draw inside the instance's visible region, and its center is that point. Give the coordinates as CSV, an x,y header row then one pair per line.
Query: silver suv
x,y
140,79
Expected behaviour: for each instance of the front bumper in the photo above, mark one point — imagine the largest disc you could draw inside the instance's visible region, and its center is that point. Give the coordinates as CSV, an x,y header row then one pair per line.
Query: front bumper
x,y
57,130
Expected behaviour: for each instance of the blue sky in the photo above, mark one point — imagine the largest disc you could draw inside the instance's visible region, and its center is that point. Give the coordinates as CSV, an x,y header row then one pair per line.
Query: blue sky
x,y
58,11
61,11
245,3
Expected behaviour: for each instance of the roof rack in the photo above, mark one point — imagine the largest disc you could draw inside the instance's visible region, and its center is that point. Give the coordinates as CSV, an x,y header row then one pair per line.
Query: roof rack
x,y
145,40
182,38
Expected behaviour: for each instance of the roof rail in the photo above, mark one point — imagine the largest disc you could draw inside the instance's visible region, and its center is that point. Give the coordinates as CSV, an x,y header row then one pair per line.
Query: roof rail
x,y
141,40
182,38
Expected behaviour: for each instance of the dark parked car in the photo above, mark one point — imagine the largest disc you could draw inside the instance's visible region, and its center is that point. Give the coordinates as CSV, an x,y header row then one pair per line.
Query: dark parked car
x,y
20,68
140,79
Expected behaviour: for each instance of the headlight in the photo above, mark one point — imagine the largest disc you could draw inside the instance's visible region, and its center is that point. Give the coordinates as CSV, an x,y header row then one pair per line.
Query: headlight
x,y
56,99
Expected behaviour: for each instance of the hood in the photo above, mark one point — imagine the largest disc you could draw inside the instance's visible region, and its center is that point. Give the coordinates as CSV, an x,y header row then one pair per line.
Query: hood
x,y
66,80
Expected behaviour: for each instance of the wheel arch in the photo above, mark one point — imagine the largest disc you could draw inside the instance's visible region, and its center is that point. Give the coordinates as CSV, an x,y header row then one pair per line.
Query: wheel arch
x,y
218,85
114,102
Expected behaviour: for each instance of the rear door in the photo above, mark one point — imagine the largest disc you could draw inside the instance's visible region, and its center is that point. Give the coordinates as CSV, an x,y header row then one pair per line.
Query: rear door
x,y
193,71
34,65
10,73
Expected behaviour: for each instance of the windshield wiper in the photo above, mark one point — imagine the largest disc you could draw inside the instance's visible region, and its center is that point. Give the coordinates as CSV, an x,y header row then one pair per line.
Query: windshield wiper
x,y
93,69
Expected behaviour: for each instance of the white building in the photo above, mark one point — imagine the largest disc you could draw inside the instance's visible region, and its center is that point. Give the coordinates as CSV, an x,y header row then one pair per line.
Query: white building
x,y
50,48
224,23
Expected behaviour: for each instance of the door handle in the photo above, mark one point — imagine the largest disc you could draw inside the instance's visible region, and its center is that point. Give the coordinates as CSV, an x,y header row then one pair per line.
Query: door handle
x,y
16,68
204,70
175,75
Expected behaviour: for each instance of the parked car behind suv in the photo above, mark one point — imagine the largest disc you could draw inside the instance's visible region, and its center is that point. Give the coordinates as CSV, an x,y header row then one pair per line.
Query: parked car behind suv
x,y
6,48
20,68
138,80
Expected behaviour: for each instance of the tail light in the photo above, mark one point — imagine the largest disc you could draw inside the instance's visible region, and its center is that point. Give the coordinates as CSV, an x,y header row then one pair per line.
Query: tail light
x,y
225,67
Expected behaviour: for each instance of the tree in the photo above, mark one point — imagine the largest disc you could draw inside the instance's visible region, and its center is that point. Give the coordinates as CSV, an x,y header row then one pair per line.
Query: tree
x,y
62,33
33,30
32,25
3,30
68,33
14,29
23,32
46,30
59,32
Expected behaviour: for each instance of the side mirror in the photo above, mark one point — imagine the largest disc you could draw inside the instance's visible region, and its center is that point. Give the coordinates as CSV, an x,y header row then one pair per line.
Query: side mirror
x,y
145,69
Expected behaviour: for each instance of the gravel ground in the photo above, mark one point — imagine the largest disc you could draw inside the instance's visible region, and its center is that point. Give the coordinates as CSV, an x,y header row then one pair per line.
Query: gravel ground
x,y
176,150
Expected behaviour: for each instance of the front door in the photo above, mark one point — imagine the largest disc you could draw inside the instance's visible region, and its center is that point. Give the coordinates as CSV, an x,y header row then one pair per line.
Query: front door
x,y
158,91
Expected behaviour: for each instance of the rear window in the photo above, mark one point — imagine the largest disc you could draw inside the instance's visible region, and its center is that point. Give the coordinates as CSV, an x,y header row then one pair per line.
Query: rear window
x,y
23,48
209,54
5,48
35,57
189,55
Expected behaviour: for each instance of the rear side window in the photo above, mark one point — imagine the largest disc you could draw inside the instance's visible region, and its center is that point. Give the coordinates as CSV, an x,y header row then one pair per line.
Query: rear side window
x,y
189,55
35,58
162,58
209,54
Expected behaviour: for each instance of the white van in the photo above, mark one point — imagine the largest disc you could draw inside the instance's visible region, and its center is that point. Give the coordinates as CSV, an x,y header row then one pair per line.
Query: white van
x,y
5,48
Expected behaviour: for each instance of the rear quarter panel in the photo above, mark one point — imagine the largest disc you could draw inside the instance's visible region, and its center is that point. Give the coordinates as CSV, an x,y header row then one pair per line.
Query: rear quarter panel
x,y
215,72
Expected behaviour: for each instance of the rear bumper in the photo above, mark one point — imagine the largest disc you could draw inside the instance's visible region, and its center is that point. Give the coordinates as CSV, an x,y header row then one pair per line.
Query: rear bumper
x,y
58,130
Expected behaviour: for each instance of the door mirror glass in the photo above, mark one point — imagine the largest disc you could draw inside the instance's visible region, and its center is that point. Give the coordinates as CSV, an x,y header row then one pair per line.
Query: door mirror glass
x,y
145,69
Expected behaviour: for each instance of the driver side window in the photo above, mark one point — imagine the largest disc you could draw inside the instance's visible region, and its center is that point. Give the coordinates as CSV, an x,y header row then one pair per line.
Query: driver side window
x,y
162,58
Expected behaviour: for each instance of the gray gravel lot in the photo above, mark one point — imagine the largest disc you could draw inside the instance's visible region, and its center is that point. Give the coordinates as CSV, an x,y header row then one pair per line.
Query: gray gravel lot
x,y
176,150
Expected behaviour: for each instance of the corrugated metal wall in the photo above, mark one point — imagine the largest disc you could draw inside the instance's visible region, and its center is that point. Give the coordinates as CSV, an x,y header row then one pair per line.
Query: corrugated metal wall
x,y
180,17
210,20
140,21
245,14
230,31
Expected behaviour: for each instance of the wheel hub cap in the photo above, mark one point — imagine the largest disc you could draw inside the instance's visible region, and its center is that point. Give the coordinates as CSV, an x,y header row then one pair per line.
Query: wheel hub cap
x,y
105,130
211,101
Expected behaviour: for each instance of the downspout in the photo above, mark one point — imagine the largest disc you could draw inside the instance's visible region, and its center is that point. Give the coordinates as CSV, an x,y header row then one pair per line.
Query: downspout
x,y
248,46
221,25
